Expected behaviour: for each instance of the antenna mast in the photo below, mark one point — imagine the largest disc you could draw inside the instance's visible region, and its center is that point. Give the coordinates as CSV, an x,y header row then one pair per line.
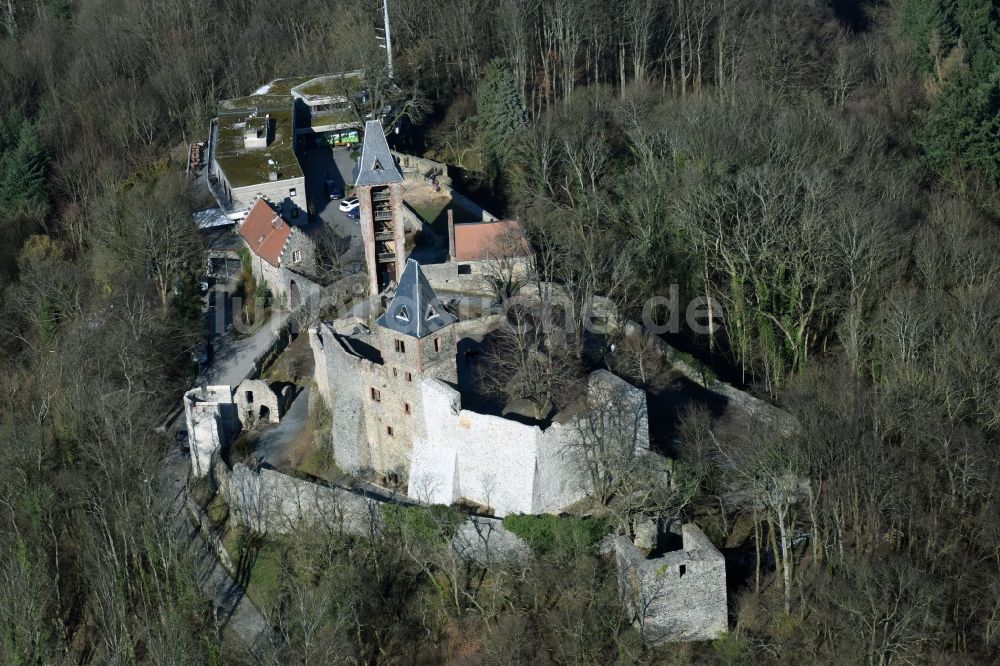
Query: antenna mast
x,y
388,38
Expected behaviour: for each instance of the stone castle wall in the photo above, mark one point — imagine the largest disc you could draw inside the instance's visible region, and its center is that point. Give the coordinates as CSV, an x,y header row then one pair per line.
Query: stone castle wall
x,y
339,375
269,502
508,466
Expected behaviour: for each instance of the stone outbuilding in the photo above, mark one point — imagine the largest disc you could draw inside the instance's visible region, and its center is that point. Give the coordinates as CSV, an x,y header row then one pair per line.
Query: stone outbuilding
x,y
677,596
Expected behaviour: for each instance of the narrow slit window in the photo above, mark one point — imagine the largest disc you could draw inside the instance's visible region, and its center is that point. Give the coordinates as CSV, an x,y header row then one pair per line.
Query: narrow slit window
x,y
376,395
388,431
400,346
406,408
437,344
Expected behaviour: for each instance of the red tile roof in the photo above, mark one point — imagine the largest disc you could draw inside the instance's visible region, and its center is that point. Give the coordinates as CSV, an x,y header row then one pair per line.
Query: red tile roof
x,y
482,240
265,232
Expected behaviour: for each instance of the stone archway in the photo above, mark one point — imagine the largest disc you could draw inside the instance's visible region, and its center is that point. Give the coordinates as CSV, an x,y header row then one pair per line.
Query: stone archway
x,y
294,295
265,413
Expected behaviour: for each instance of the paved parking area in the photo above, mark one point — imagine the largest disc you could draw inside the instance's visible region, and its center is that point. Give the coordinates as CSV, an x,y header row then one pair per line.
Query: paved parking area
x,y
323,164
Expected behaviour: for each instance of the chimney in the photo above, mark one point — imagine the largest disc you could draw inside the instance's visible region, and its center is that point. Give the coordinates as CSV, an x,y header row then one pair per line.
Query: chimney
x,y
451,234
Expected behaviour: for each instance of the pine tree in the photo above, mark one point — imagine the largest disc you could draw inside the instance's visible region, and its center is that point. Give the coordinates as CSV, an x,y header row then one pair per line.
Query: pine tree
x,y
501,116
23,167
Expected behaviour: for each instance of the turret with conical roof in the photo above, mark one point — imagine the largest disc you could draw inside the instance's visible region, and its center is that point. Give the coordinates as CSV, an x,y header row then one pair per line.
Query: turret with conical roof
x,y
378,185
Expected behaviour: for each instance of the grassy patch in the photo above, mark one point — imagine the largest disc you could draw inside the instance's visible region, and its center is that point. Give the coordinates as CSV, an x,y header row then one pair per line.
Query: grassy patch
x,y
259,564
436,523
560,536
217,511
434,212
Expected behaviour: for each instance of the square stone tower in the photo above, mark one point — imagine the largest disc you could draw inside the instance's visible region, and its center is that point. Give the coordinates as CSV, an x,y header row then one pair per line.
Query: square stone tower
x,y
417,340
416,334
379,189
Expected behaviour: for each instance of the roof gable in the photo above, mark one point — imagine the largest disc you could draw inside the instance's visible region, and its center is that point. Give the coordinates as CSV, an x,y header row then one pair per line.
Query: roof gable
x,y
415,309
265,232
376,165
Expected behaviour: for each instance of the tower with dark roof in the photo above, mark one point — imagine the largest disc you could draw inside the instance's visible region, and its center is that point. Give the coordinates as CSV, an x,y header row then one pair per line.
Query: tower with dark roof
x,y
417,333
379,189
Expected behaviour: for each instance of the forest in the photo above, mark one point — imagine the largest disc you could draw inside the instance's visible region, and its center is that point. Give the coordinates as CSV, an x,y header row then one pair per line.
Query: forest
x,y
828,171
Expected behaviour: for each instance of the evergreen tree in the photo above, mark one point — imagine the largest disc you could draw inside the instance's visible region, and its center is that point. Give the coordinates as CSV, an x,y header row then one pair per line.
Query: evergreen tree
x,y
501,116
962,127
958,43
23,166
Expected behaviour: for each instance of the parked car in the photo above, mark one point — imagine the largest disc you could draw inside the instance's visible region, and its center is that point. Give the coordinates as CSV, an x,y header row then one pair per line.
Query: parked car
x,y
347,205
355,214
334,190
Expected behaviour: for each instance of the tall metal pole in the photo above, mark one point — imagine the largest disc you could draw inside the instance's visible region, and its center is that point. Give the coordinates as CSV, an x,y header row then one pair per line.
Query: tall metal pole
x,y
388,38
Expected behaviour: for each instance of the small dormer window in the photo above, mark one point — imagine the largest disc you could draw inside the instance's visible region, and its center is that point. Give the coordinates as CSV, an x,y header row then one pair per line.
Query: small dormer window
x,y
402,314
431,313
377,166
260,240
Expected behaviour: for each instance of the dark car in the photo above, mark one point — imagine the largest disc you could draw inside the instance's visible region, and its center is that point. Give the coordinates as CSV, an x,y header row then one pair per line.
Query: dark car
x,y
334,190
355,214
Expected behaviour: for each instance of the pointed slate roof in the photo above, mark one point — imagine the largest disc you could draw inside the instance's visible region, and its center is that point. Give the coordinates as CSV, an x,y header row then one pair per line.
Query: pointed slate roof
x,y
415,309
376,165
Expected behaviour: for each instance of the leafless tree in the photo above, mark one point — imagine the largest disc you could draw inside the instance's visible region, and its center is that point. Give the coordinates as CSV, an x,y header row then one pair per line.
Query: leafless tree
x,y
530,357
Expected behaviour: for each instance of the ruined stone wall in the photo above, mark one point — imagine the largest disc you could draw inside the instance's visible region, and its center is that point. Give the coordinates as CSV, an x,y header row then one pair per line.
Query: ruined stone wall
x,y
269,502
210,416
679,596
256,403
466,277
562,476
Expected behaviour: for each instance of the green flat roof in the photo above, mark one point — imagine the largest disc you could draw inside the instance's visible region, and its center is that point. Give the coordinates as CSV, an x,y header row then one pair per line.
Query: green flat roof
x,y
334,118
330,85
245,167
249,166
